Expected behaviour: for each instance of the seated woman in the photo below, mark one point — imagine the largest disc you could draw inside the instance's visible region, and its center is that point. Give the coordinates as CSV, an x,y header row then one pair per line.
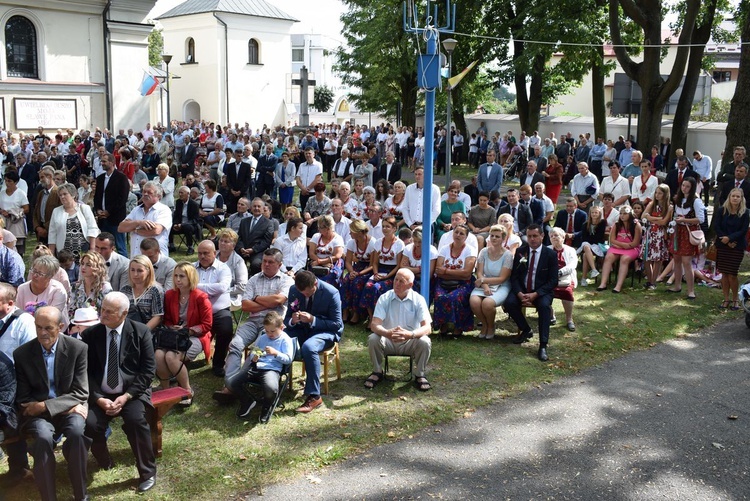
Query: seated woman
x,y
411,258
185,307
72,225
92,284
326,250
385,256
454,269
492,285
567,262
227,255
593,243
624,245
61,275
144,292
293,246
481,218
512,241
358,265
211,208
447,208
394,206
42,289
289,213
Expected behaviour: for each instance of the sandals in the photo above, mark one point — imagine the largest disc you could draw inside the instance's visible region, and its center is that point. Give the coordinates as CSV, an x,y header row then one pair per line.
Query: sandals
x,y
724,305
373,380
735,306
422,384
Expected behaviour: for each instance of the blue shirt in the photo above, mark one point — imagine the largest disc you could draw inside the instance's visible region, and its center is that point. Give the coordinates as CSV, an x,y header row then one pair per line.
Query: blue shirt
x,y
598,151
11,267
283,344
49,362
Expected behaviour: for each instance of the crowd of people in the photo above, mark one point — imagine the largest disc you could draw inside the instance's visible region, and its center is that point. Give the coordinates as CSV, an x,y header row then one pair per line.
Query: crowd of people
x,y
305,233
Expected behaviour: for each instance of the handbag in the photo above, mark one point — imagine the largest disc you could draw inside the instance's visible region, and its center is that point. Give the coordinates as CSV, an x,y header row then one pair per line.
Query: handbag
x,y
697,237
449,285
564,281
711,252
172,339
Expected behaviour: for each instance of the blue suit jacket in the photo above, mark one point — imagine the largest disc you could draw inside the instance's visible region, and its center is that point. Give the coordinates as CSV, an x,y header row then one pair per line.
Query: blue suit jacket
x,y
495,180
326,308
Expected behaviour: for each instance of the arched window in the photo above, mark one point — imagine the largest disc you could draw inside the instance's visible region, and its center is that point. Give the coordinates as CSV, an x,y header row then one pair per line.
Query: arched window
x,y
190,50
20,48
253,52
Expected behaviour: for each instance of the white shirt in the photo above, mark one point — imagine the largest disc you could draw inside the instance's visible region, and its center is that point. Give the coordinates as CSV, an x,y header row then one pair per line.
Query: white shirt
x,y
215,281
342,228
447,239
21,330
618,188
413,205
306,173
158,213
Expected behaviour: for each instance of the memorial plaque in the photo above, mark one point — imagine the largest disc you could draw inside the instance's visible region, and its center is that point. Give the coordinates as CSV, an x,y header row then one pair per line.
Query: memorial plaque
x,y
48,113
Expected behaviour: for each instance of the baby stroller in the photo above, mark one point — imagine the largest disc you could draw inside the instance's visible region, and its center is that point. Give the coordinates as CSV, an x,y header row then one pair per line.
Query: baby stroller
x,y
745,301
515,166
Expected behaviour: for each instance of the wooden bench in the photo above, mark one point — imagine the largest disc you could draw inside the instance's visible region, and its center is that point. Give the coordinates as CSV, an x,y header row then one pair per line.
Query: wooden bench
x,y
163,401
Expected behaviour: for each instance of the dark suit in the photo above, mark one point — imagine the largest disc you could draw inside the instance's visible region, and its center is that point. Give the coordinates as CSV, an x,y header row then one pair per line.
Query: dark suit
x,y
537,210
536,178
30,173
72,389
137,369
118,189
579,221
545,282
265,170
190,228
729,186
673,177
237,181
325,306
187,160
258,238
394,176
523,215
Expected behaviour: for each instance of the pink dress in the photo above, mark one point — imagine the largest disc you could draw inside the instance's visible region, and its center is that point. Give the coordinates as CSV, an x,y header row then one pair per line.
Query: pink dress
x,y
624,236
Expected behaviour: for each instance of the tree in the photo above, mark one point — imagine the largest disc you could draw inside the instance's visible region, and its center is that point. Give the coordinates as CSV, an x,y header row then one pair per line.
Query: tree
x,y
323,98
380,59
706,24
738,133
155,48
655,91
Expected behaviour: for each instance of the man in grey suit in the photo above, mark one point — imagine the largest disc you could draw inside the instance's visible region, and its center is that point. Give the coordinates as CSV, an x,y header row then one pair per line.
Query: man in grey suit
x,y
256,234
490,177
52,394
117,264
163,265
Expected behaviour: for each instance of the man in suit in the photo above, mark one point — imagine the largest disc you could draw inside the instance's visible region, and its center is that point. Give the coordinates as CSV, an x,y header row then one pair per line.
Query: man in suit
x,y
163,265
28,172
390,170
572,220
490,176
121,367
187,160
238,180
533,279
740,181
46,201
531,176
185,223
255,234
314,318
676,176
110,198
52,394
117,264
522,216
265,183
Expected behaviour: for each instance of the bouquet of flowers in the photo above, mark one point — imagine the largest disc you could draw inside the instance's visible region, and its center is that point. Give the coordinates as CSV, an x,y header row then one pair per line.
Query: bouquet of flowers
x,y
31,306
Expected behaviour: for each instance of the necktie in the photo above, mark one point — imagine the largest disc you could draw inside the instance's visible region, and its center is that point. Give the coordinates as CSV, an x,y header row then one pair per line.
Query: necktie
x,y
530,277
513,212
113,372
736,185
2,323
570,223
252,225
679,180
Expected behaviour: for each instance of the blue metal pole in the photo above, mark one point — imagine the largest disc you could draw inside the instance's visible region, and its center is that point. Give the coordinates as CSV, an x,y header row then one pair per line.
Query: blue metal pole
x,y
429,131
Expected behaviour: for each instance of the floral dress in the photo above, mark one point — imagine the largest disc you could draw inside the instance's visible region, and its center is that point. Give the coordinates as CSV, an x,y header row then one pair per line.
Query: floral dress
x,y
655,239
351,287
388,258
326,250
79,298
452,305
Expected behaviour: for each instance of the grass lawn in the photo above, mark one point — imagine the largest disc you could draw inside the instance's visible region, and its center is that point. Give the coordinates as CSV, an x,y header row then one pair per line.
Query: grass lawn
x,y
210,454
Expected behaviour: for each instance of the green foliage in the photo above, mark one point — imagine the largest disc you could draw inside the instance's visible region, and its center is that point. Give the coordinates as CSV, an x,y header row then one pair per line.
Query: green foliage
x,y
323,98
719,111
503,93
155,48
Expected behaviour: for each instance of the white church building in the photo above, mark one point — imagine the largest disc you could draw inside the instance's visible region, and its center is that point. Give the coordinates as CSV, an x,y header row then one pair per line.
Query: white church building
x,y
73,64
232,58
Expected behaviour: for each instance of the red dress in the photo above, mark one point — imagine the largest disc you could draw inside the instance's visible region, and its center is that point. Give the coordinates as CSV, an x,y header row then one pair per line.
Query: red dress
x,y
553,184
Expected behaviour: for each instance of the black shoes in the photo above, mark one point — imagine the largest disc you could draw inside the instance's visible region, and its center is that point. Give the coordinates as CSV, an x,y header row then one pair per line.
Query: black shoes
x,y
542,355
147,484
523,337
265,415
244,409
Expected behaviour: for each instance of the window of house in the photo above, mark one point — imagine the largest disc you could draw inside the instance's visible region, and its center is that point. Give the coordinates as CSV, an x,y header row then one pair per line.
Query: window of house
x,y
190,51
20,48
298,55
253,50
722,76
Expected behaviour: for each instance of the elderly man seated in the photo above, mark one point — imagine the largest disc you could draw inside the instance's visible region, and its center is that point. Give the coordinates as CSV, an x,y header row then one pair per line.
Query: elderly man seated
x,y
401,325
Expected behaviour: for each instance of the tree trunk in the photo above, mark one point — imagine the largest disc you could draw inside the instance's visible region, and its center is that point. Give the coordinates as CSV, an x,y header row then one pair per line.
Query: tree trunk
x,y
649,119
535,95
738,133
409,102
597,95
522,97
701,35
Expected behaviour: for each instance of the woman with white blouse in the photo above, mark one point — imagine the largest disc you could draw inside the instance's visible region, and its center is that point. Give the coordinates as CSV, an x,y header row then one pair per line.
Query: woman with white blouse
x,y
326,250
293,246
167,185
72,226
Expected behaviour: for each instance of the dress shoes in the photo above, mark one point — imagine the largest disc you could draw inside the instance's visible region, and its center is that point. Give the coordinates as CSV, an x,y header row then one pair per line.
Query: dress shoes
x,y
224,398
310,404
523,337
542,354
147,484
